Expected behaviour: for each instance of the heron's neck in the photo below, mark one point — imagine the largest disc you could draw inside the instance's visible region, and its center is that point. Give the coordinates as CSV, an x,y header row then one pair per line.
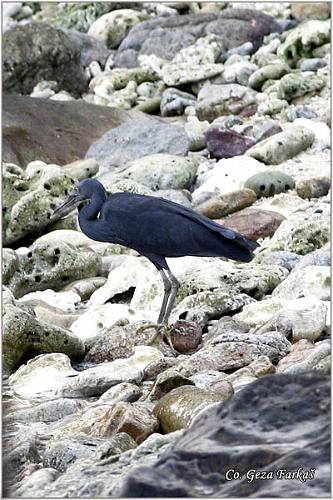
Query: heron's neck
x,y
90,211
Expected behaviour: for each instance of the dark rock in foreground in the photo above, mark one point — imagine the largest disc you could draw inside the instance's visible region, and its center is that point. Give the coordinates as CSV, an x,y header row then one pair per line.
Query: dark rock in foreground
x,y
279,423
54,132
36,52
233,26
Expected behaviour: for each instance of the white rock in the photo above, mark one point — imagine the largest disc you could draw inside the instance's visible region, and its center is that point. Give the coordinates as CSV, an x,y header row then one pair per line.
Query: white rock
x,y
75,238
98,318
193,273
113,26
312,280
62,300
122,278
229,175
95,381
321,131
42,376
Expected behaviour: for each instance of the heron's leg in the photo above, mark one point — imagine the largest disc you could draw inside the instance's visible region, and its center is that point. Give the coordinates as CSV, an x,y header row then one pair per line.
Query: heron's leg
x,y
174,289
167,290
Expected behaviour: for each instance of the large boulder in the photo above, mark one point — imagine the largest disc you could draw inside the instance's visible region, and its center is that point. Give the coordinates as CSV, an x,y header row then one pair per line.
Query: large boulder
x,y
35,128
233,26
38,51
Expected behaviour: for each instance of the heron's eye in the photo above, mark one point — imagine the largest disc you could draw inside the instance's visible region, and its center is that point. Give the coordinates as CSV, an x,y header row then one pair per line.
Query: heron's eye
x,y
76,190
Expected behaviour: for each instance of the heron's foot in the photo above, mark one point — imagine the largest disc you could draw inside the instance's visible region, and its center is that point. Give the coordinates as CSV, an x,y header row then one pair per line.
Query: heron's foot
x,y
160,329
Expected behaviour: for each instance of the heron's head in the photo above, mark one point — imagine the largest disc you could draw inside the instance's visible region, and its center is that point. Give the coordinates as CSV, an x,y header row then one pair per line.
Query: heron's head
x,y
83,192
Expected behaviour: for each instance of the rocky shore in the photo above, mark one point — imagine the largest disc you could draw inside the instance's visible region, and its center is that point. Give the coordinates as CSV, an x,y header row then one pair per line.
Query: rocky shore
x,y
221,107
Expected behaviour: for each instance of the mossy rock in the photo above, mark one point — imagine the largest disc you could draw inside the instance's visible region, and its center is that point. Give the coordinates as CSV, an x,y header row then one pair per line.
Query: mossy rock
x,y
24,334
270,183
52,265
298,84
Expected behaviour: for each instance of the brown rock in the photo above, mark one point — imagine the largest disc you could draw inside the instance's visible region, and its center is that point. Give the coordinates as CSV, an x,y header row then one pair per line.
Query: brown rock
x,y
313,188
310,10
185,336
177,409
231,202
36,128
254,223
157,367
137,421
166,382
299,352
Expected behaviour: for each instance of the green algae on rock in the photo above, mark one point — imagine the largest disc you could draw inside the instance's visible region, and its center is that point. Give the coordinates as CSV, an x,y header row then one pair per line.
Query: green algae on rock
x,y
299,83
52,265
282,146
270,183
23,333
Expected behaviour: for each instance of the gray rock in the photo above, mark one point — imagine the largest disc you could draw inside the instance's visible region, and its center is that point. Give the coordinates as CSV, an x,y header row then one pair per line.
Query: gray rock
x,y
59,454
313,188
281,258
298,401
280,147
269,183
245,49
50,411
24,334
159,171
311,64
232,26
230,98
97,380
230,351
268,72
298,84
320,257
10,264
137,139
38,51
121,392
174,102
52,265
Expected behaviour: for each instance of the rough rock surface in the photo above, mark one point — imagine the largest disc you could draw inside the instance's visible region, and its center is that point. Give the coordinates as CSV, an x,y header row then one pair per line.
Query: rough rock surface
x,y
37,52
34,128
136,139
233,26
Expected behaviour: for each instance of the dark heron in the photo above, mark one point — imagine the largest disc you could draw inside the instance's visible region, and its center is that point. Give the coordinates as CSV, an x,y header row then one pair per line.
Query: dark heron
x,y
156,228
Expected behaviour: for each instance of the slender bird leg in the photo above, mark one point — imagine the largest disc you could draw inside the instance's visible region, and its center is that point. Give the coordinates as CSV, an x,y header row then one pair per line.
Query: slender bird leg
x,y
167,291
174,289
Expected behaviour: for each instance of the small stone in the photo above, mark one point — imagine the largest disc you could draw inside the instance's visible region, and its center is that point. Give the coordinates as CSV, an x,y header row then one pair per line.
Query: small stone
x,y
310,10
269,183
166,382
254,223
217,207
226,143
121,392
50,411
240,378
320,257
306,356
137,421
314,187
174,102
177,408
280,147
312,64
217,100
262,366
268,72
114,26
298,84
281,258
185,336
223,387
196,130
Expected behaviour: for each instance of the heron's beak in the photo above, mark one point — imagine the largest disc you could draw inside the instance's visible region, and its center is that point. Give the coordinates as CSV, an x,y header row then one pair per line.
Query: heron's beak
x,y
72,200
